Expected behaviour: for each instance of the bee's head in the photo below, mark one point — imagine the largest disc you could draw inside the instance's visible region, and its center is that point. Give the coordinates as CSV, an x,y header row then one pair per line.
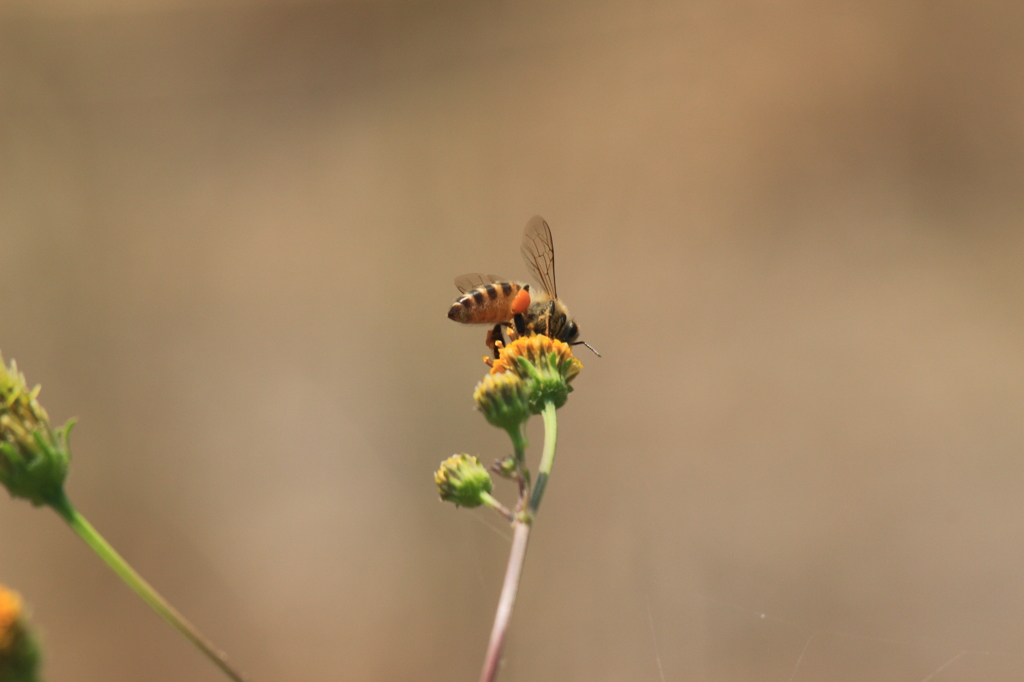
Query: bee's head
x,y
570,331
560,326
570,334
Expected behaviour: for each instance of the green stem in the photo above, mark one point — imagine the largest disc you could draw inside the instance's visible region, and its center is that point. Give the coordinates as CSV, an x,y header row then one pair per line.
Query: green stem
x,y
496,505
547,458
63,506
519,445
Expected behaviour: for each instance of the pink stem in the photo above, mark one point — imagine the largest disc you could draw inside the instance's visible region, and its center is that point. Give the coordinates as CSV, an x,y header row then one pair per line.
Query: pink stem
x,y
521,534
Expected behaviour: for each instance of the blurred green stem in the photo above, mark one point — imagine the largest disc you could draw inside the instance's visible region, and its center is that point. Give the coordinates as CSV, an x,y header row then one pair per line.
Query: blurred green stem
x,y
547,458
78,523
519,445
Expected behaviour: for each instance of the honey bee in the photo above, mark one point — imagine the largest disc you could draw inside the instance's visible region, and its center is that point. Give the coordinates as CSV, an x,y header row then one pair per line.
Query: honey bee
x,y
511,306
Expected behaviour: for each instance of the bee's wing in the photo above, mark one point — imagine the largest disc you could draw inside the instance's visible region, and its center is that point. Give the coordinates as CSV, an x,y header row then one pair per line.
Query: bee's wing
x,y
539,253
473,280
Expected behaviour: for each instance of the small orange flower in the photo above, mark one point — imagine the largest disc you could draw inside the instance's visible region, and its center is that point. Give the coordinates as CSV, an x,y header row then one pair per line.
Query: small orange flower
x,y
547,366
534,349
19,651
10,614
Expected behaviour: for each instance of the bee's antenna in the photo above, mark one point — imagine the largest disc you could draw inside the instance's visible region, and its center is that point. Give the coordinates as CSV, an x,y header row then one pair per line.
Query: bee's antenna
x,y
584,343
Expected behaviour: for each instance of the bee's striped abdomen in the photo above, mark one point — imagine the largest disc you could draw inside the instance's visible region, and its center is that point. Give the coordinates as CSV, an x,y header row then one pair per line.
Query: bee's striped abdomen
x,y
487,304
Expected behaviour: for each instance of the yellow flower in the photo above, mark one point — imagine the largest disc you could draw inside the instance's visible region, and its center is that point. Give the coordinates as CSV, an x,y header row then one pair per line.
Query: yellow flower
x,y
547,366
503,399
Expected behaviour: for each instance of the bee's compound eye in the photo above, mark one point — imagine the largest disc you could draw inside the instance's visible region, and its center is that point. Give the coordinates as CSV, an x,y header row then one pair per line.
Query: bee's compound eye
x,y
521,302
572,330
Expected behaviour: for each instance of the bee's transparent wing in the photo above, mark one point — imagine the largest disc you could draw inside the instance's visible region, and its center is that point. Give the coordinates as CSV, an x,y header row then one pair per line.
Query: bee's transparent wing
x,y
473,280
539,253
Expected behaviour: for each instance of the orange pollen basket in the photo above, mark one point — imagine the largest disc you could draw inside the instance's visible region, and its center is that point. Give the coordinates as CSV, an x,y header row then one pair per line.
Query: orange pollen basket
x,y
521,302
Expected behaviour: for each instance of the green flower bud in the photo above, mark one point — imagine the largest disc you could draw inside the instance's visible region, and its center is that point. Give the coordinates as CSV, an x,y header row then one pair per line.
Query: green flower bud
x,y
34,457
506,467
464,481
503,399
19,653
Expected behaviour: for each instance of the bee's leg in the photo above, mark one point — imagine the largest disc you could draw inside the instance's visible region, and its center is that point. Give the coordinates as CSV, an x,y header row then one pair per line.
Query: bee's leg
x,y
496,339
493,335
520,324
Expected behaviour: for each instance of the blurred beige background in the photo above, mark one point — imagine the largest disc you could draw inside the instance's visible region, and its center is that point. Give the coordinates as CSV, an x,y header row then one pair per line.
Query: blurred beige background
x,y
228,232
